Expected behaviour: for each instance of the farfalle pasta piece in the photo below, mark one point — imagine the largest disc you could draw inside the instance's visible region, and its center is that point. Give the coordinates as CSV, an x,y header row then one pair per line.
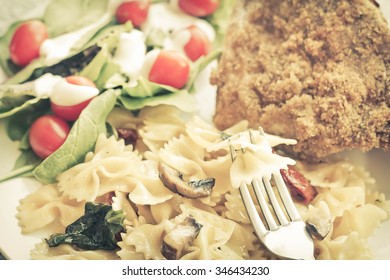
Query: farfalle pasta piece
x,y
121,202
341,199
235,209
189,159
364,220
379,199
217,234
155,135
183,155
104,171
253,140
360,176
253,156
202,133
162,114
111,147
336,174
45,207
166,210
160,124
127,252
67,252
148,191
346,247
258,164
145,240
327,175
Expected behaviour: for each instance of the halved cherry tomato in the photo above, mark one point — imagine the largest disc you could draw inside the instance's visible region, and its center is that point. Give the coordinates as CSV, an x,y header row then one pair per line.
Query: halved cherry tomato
x,y
71,113
135,11
26,41
199,8
170,68
47,134
198,45
80,80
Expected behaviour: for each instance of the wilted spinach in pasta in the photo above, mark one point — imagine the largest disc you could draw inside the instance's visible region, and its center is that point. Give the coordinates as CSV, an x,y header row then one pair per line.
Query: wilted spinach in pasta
x,y
96,229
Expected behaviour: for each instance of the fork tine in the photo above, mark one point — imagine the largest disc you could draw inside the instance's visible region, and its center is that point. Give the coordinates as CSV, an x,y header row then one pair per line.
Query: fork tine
x,y
275,203
267,186
264,205
254,217
286,198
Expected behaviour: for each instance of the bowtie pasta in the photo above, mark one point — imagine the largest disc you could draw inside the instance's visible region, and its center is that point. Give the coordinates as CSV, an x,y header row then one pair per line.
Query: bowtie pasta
x,y
152,211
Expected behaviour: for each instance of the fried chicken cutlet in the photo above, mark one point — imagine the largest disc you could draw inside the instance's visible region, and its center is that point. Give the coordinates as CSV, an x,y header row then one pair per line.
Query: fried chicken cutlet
x,y
317,71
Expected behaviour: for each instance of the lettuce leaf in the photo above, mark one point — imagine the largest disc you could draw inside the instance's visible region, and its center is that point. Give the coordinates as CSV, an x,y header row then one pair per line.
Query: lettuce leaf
x,y
180,99
60,17
63,16
220,20
145,88
81,138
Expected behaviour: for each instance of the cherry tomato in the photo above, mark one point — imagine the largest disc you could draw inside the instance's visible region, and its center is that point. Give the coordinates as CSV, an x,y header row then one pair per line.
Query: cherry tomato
x,y
171,68
71,113
26,41
199,8
135,11
47,134
198,44
79,80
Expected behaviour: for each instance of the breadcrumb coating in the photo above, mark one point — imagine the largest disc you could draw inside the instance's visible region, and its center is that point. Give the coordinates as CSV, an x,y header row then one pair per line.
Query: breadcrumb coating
x,y
317,71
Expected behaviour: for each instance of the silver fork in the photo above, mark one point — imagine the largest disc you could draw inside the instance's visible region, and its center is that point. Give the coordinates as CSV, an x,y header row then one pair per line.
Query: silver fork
x,y
283,232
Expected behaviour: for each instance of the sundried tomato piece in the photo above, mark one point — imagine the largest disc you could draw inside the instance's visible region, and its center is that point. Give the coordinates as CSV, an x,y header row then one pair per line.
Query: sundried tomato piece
x,y
299,186
129,135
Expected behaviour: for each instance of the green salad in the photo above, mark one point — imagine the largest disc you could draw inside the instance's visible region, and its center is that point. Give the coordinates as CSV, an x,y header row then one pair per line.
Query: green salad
x,y
68,69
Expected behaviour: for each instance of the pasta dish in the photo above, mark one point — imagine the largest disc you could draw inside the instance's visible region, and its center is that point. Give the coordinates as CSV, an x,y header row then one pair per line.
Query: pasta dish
x,y
130,178
106,108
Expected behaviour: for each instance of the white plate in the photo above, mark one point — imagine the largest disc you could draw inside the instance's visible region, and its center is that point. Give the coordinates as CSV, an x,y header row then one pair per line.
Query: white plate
x,y
16,246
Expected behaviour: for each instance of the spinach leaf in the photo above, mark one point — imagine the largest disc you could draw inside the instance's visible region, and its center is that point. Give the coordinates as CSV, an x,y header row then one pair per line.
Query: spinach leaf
x,y
107,39
69,66
93,69
109,70
24,165
81,138
84,50
199,65
180,99
95,230
63,16
8,68
15,98
146,93
145,88
12,96
220,20
11,106
19,123
87,62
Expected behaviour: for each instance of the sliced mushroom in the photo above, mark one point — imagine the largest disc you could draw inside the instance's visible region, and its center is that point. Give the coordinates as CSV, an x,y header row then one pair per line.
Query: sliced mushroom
x,y
180,238
320,222
173,180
